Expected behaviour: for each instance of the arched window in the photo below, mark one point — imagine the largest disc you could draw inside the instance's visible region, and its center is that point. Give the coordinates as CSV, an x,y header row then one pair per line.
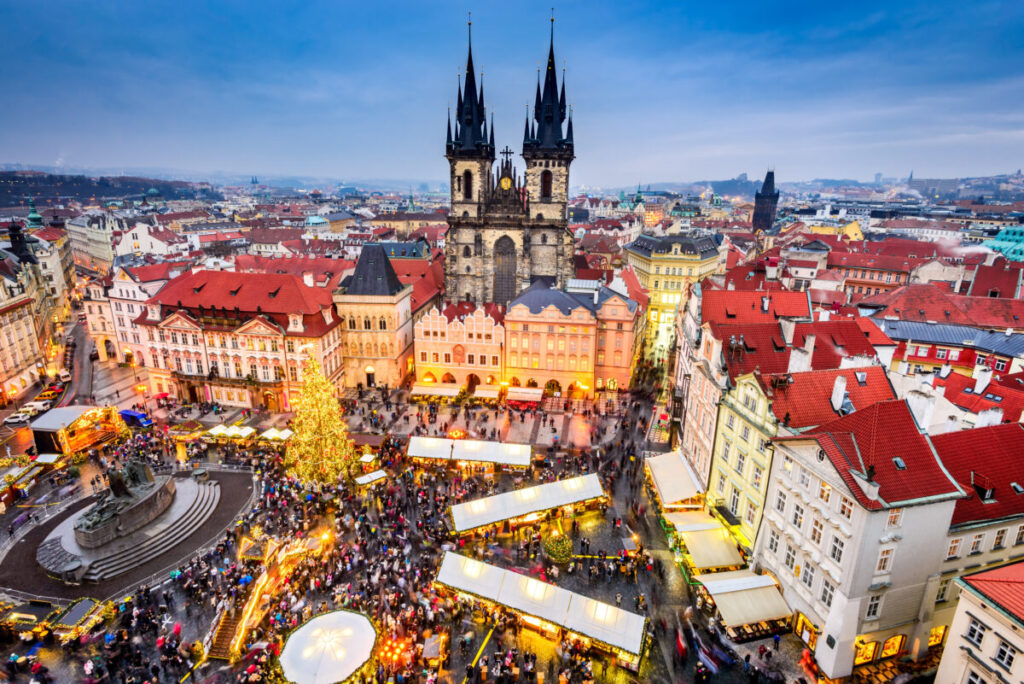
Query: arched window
x,y
366,323
466,251
467,185
383,323
351,323
545,185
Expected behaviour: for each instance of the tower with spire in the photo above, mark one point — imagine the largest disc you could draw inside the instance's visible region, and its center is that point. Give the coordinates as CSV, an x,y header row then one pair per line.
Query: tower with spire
x,y
507,230
766,201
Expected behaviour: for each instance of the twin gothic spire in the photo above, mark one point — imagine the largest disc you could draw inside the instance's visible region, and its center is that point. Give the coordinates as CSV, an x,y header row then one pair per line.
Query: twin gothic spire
x,y
471,135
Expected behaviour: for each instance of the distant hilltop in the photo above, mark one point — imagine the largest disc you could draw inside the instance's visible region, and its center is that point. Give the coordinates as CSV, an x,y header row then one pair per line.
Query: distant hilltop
x,y
17,187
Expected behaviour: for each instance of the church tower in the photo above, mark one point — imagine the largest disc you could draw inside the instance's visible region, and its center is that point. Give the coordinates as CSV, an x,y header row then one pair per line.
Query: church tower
x,y
507,231
766,200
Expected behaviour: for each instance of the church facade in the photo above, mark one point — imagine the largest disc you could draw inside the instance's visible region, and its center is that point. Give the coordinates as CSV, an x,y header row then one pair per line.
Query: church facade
x,y
508,230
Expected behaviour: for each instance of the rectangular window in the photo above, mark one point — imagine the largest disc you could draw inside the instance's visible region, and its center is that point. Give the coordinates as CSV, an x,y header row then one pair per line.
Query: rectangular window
x,y
835,552
999,540
447,358
437,357
1020,535
940,354
741,460
773,541
757,474
895,518
734,501
805,478
974,678
884,561
751,514
940,595
494,360
472,359
976,542
745,433
825,492
846,508
975,632
817,527
721,484
780,502
790,556
807,576
798,516
423,357
954,548
874,603
1005,654
828,590
730,421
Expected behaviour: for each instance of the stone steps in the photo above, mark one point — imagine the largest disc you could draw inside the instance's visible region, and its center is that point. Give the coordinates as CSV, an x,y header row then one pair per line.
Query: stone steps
x,y
165,539
220,648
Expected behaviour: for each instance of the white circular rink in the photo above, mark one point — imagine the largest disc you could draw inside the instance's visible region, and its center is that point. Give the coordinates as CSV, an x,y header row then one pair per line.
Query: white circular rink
x,y
328,649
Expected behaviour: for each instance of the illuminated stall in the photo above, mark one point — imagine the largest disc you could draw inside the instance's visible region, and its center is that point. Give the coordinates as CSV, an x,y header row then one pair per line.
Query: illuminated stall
x,y
77,619
702,543
673,482
471,453
749,605
71,429
529,505
431,391
333,647
524,397
370,478
550,610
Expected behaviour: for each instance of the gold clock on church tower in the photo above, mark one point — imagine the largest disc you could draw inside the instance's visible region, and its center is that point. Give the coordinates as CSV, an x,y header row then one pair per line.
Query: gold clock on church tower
x,y
506,183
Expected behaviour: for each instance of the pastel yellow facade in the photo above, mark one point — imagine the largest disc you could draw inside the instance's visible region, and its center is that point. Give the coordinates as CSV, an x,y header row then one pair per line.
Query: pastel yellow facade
x,y
742,458
850,231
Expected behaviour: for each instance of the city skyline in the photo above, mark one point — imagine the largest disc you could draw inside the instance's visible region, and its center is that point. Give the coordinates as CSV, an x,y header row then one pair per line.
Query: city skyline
x,y
660,94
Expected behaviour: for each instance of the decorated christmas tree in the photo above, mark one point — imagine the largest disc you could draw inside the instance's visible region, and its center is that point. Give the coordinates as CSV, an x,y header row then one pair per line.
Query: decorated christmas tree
x,y
320,450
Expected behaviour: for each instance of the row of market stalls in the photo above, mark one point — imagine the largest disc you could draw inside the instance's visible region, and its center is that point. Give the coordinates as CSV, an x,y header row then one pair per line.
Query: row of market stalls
x,y
461,452
749,605
552,611
529,505
491,393
34,619
246,432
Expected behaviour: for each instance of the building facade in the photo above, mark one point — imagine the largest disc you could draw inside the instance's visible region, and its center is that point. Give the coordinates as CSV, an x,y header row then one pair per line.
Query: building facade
x,y
463,344
92,239
239,339
378,323
505,230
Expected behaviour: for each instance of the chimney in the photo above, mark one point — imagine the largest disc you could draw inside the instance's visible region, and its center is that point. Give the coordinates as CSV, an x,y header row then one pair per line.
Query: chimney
x,y
307,279
766,303
989,417
922,406
730,286
824,316
809,346
838,393
982,376
788,326
945,371
596,293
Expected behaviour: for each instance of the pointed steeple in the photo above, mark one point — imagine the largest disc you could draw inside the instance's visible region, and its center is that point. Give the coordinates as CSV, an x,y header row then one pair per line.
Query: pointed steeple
x,y
550,108
35,219
526,126
448,140
492,131
768,187
470,135
568,131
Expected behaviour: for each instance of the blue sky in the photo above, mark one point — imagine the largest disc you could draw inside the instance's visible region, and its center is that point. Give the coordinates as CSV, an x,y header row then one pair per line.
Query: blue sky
x,y
661,91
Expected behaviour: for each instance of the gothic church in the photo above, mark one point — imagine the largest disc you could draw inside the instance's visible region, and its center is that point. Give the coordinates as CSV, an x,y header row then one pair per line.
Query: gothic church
x,y
506,230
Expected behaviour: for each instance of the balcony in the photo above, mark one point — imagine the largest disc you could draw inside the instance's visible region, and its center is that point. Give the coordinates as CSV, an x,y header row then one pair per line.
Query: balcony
x,y
247,381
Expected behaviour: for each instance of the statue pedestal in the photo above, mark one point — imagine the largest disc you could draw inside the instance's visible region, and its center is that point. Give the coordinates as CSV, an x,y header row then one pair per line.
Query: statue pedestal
x,y
132,515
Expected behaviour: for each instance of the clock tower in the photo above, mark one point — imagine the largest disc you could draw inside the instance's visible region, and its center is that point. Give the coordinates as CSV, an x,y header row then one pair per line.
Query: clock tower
x,y
506,230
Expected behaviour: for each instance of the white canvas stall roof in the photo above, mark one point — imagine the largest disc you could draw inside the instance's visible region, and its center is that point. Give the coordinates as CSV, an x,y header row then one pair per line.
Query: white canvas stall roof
x,y
286,433
514,504
673,478
583,615
533,597
271,433
692,521
430,447
471,576
328,648
370,478
218,431
47,459
744,598
486,392
605,622
368,458
525,393
431,389
60,417
503,453
711,549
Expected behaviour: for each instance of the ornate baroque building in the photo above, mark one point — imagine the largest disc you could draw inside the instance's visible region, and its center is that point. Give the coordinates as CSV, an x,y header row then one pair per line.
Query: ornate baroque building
x,y
508,230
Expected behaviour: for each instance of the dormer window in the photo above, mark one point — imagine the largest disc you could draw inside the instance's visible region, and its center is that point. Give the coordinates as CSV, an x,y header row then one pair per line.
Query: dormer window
x,y
295,322
153,312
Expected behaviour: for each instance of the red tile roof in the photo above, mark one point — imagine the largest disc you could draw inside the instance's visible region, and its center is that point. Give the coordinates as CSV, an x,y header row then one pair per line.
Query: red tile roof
x,y
805,398
877,436
162,271
959,390
741,306
459,310
929,302
635,290
1003,586
50,234
423,291
326,272
874,334
1002,278
878,262
983,458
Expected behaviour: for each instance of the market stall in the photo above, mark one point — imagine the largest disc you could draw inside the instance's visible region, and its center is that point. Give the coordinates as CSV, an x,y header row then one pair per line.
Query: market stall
x,y
370,478
702,542
488,393
528,505
77,619
430,390
332,647
674,483
547,608
750,605
526,397
71,429
469,452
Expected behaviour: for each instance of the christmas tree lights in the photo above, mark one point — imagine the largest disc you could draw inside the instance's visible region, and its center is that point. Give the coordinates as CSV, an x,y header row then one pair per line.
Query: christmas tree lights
x,y
319,450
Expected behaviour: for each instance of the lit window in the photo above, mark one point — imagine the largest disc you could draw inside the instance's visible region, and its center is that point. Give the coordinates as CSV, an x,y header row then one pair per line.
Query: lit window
x,y
895,517
954,548
816,530
884,561
846,508
976,542
825,492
